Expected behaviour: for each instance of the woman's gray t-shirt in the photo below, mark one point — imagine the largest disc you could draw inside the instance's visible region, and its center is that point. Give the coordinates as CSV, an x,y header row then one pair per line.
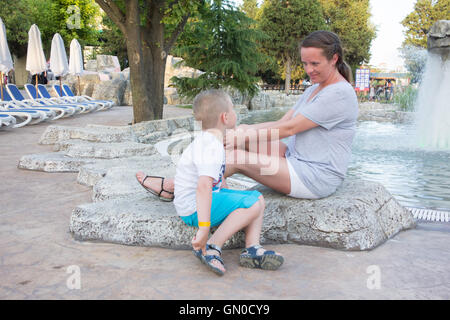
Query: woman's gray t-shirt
x,y
320,156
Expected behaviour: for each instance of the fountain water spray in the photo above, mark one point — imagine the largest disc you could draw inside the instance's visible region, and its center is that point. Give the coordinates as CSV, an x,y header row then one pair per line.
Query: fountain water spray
x,y
433,101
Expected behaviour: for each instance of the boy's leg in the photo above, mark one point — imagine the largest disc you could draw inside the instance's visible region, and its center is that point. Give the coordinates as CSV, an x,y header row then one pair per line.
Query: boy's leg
x,y
253,230
237,220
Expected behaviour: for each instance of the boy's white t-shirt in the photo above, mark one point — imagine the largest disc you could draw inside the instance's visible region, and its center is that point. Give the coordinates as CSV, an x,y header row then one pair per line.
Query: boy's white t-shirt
x,y
205,156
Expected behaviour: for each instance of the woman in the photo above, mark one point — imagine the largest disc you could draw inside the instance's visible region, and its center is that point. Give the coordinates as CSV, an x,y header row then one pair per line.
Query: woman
x,y
319,131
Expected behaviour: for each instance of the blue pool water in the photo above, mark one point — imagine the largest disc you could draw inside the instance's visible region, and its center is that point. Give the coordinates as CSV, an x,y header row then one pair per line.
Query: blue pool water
x,y
390,154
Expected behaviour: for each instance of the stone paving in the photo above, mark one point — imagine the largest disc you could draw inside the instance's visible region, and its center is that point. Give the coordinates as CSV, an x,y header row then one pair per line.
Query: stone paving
x,y
39,258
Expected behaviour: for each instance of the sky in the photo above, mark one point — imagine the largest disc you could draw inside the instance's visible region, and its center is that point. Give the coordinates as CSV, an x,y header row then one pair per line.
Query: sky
x,y
386,15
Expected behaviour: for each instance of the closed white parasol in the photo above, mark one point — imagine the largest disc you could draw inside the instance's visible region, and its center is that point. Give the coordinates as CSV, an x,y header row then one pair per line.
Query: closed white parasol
x,y
6,63
76,61
58,58
35,54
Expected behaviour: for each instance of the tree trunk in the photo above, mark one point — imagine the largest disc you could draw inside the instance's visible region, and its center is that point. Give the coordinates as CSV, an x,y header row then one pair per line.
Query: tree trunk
x,y
147,52
147,63
287,82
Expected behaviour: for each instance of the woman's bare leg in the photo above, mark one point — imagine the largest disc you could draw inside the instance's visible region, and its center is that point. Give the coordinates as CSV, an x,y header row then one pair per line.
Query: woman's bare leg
x,y
271,171
273,154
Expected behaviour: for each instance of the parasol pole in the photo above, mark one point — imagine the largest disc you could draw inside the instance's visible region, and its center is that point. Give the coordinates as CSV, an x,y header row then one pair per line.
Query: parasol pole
x,y
1,83
60,87
79,86
36,85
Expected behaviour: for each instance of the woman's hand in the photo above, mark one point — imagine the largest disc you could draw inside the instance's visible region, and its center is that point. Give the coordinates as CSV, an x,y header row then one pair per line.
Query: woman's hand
x,y
235,138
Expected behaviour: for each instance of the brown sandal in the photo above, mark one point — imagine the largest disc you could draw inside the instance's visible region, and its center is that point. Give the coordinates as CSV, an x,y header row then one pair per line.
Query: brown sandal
x,y
154,192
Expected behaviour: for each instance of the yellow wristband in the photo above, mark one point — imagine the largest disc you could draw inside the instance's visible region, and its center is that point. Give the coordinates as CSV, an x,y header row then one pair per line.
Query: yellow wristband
x,y
204,224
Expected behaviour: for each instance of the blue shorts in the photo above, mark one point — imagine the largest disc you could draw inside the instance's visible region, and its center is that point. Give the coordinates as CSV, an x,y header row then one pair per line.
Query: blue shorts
x,y
225,202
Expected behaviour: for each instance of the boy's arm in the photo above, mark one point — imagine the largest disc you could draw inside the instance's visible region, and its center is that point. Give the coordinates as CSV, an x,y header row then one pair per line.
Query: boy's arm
x,y
203,199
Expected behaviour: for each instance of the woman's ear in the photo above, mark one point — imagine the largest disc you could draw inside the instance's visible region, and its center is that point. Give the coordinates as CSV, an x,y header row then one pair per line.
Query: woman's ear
x,y
335,58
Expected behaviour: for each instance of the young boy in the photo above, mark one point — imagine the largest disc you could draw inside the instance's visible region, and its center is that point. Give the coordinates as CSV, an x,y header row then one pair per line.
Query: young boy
x,y
201,202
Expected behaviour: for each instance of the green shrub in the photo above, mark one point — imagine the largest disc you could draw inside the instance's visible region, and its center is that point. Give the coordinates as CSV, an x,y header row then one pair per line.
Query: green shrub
x,y
406,98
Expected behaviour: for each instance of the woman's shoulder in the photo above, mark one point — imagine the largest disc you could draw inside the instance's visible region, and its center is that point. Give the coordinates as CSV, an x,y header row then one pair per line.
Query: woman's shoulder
x,y
342,90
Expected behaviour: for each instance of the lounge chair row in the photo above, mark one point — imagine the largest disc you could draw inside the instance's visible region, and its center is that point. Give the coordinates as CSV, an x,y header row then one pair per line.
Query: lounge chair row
x,y
17,111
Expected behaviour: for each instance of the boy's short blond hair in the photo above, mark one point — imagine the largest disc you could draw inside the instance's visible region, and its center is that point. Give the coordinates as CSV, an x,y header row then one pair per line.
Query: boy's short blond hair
x,y
209,104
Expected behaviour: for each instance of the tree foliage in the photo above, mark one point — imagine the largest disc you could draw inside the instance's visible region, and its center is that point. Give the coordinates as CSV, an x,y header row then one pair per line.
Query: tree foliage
x,y
349,19
113,42
415,61
51,16
286,23
150,29
250,8
421,19
222,44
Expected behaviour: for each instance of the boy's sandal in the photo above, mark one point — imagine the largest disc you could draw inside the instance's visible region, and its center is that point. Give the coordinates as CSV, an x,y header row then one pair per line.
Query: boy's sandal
x,y
154,192
269,260
207,259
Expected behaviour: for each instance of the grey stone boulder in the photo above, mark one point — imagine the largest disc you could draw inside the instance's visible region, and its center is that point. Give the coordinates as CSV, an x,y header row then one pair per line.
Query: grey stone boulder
x,y
83,149
55,134
128,95
110,90
439,36
261,101
90,174
52,162
360,216
107,63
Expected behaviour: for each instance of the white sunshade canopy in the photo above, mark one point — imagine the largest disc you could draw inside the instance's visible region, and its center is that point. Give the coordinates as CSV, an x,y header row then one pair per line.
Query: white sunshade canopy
x,y
6,63
58,57
35,54
76,58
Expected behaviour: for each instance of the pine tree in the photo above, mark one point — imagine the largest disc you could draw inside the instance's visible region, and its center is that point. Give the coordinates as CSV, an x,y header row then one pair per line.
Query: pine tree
x,y
286,23
223,46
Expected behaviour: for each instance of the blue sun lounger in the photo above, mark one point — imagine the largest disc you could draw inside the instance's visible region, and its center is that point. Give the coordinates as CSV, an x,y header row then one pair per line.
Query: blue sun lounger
x,y
106,104
7,120
62,95
19,99
34,115
44,95
24,117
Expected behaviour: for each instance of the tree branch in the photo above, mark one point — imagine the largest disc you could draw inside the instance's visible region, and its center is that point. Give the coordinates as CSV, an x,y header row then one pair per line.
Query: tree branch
x,y
114,12
176,33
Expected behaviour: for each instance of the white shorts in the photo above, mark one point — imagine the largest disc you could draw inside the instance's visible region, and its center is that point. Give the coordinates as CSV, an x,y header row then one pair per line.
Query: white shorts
x,y
298,189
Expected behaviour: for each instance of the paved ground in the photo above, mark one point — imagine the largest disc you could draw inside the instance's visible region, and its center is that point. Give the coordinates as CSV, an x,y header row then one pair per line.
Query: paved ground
x,y
39,259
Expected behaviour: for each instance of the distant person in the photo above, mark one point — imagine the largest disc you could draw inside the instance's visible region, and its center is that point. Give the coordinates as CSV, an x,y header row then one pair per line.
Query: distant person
x,y
41,78
386,89
372,91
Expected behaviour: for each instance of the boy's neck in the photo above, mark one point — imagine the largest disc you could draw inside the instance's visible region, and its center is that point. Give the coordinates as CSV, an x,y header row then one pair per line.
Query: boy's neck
x,y
219,133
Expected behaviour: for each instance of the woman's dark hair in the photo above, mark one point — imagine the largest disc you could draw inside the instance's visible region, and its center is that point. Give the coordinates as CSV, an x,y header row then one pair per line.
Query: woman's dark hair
x,y
330,43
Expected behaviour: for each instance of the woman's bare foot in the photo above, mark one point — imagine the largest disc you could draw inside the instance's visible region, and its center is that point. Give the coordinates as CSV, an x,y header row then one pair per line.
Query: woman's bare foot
x,y
154,184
